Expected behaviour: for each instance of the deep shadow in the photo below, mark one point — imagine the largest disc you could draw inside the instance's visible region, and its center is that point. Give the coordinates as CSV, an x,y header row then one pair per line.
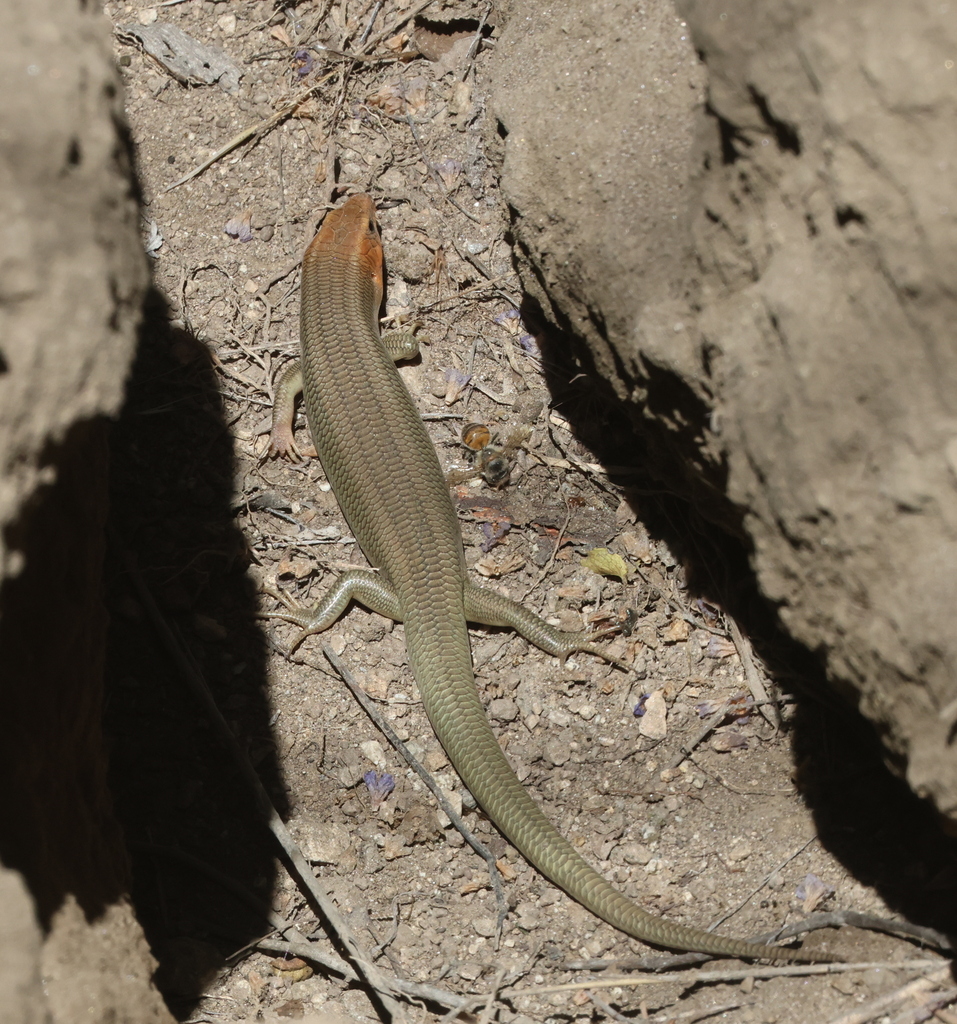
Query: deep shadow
x,y
174,784
58,830
865,815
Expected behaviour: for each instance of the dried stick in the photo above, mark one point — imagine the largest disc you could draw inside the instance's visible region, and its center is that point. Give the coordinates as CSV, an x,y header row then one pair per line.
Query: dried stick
x,y
254,131
391,30
383,726
784,863
398,986
691,978
770,709
874,1009
711,723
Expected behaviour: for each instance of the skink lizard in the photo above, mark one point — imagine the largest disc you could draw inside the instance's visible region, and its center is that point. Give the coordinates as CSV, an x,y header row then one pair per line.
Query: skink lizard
x,y
386,476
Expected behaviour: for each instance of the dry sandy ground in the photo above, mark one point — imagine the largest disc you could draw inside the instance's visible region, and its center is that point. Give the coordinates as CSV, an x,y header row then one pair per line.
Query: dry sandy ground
x,y
722,835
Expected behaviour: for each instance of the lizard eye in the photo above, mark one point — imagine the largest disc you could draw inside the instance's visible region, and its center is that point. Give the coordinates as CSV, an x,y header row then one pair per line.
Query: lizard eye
x,y
373,227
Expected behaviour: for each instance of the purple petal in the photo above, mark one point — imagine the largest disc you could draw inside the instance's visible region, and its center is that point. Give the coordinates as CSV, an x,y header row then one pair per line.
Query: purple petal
x,y
239,228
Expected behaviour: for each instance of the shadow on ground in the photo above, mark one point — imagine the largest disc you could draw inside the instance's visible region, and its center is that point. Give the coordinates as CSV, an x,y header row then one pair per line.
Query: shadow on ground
x,y
176,789
864,814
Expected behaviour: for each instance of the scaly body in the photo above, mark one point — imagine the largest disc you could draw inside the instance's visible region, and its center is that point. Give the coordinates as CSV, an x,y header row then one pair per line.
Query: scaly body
x,y
386,476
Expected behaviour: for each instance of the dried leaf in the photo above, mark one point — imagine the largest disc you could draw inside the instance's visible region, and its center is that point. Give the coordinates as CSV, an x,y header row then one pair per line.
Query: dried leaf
x,y
416,94
813,891
492,568
678,630
506,870
510,319
726,740
461,100
449,47
625,514
291,969
240,227
155,241
606,563
321,171
298,568
456,383
396,43
637,546
449,171
719,647
400,97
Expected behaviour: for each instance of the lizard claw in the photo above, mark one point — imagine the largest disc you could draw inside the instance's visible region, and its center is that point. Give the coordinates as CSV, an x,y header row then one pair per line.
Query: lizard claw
x,y
283,444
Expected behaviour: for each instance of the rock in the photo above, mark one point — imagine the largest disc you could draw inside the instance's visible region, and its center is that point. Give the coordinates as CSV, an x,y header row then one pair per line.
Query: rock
x,y
765,283
653,724
74,277
558,749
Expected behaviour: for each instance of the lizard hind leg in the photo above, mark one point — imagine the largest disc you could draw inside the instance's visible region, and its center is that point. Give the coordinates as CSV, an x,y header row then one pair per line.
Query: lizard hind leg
x,y
368,588
490,609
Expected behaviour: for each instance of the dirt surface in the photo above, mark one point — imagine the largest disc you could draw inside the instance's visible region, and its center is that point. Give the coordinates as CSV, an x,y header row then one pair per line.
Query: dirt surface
x,y
721,835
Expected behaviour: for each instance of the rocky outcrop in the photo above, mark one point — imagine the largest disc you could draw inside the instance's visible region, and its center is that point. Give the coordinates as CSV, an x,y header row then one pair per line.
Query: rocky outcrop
x,y
747,211
72,276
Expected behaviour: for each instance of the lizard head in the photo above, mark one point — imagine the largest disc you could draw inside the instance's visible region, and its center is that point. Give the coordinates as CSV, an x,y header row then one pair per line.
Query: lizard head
x,y
353,231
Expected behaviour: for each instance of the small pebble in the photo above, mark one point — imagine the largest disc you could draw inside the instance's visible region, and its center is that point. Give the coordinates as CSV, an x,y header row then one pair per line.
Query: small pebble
x,y
435,759
740,850
876,980
529,916
372,750
635,853
454,797
484,926
558,750
654,723
503,710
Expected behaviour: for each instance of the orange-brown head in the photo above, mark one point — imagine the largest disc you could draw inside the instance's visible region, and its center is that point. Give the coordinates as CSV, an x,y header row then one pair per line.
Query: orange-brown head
x,y
351,232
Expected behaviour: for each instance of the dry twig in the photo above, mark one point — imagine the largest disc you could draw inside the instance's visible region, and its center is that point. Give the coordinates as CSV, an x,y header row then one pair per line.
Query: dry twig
x,y
784,863
769,708
691,978
877,1007
253,132
399,987
383,726
391,30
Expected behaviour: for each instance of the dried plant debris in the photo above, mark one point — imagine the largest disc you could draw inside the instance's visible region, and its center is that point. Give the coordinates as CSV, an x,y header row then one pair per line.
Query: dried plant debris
x,y
400,97
185,58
